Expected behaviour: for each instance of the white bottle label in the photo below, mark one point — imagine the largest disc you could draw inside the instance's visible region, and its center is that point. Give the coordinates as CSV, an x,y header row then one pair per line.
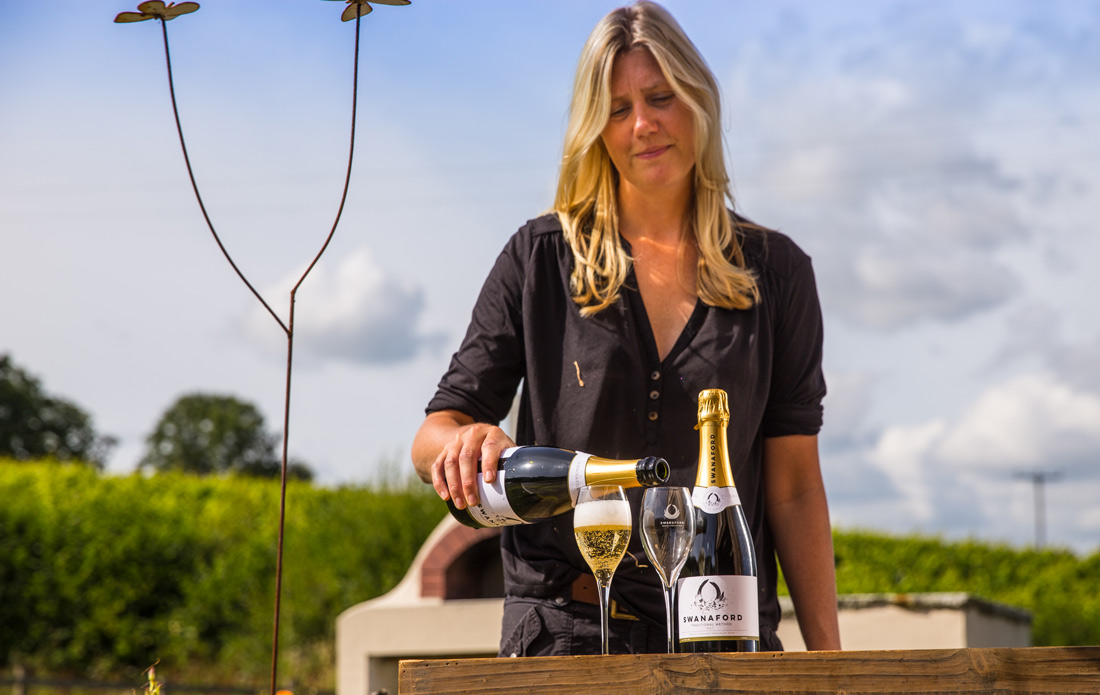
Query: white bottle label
x,y
493,509
720,607
576,475
714,499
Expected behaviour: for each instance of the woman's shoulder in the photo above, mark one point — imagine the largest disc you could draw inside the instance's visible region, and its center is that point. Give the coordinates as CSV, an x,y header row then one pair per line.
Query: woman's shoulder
x,y
768,250
546,226
538,235
538,243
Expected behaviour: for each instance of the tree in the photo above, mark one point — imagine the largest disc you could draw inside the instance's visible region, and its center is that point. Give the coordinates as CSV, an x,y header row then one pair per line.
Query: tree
x,y
36,425
212,434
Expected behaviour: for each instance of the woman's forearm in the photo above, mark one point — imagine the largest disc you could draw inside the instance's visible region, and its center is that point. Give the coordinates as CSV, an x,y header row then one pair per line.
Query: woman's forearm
x,y
437,430
450,450
798,514
803,541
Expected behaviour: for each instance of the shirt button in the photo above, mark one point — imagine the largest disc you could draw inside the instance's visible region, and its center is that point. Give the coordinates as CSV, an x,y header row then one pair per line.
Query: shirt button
x,y
559,600
653,415
654,395
655,375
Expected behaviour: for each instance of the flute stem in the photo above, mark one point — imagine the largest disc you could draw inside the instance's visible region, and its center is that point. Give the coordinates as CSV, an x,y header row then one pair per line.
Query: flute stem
x,y
670,618
605,600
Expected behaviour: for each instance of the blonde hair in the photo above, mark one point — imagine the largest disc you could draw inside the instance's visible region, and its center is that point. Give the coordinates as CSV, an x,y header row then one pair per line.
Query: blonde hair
x,y
586,200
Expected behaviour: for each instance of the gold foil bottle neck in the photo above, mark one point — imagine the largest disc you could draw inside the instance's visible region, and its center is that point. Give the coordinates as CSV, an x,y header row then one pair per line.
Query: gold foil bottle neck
x,y
714,463
714,405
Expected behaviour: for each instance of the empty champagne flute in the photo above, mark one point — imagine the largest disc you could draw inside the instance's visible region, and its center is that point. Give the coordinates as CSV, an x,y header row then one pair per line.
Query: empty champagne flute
x,y
668,527
601,523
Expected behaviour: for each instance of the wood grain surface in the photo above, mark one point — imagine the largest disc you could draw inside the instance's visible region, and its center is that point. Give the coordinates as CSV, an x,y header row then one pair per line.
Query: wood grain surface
x,y
995,671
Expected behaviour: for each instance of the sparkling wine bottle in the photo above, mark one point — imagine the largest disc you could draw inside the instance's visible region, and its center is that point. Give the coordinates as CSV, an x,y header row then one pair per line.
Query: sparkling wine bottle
x,y
538,482
717,601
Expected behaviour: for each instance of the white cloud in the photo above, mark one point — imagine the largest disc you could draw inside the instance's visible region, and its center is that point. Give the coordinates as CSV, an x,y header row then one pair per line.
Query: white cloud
x,y
1037,332
357,311
1030,422
935,161
893,286
848,400
873,154
960,476
901,454
1079,362
1090,519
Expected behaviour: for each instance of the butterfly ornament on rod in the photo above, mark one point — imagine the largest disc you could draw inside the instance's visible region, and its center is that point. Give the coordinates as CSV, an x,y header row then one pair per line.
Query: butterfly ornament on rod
x,y
165,12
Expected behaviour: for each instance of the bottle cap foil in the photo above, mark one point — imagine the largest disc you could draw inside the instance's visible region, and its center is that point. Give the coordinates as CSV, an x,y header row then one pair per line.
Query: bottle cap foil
x,y
714,405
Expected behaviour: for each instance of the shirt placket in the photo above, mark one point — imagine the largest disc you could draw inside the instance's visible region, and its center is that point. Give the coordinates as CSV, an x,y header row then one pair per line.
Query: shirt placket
x,y
653,409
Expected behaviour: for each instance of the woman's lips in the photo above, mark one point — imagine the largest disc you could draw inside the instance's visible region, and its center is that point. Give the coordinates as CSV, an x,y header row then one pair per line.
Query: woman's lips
x,y
653,152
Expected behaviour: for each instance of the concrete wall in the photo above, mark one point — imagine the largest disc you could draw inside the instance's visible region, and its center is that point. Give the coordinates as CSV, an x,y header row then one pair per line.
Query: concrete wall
x,y
371,639
917,621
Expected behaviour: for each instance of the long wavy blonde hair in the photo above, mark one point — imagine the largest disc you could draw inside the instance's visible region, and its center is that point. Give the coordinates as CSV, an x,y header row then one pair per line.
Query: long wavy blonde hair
x,y
586,201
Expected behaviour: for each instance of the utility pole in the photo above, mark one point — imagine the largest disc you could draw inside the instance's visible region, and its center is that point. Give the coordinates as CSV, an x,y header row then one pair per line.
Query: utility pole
x,y
1038,480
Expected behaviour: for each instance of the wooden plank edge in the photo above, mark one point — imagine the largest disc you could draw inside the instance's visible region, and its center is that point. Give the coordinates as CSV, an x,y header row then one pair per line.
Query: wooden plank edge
x,y
974,671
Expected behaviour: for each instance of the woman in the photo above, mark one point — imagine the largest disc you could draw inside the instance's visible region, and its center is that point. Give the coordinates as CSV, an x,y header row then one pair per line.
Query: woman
x,y
639,290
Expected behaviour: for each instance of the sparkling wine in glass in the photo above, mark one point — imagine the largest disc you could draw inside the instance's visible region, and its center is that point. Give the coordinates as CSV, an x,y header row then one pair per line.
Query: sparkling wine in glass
x,y
668,527
601,523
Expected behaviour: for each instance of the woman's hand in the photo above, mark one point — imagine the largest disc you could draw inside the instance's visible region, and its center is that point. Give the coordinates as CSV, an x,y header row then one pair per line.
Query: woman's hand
x,y
450,449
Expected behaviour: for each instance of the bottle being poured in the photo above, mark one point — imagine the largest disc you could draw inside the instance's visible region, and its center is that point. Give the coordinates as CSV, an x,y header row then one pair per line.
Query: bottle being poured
x,y
534,483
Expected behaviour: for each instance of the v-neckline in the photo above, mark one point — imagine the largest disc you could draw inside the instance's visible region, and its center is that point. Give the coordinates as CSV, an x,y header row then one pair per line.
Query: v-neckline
x,y
649,340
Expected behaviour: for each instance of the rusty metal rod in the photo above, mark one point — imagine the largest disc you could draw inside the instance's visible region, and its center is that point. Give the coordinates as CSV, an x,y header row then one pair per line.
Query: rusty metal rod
x,y
195,186
288,327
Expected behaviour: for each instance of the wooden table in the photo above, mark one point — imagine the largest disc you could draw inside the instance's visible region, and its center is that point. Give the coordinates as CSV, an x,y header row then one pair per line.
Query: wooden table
x,y
993,671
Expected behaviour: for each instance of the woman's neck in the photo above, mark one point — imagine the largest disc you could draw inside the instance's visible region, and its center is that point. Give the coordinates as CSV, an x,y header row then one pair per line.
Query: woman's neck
x,y
657,218
664,258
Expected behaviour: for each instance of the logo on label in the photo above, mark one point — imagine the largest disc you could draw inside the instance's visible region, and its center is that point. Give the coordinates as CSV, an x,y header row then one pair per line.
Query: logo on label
x,y
709,597
672,511
487,517
493,509
714,499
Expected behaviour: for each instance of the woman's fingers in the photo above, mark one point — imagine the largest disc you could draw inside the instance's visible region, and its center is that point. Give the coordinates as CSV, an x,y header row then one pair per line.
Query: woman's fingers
x,y
495,443
439,480
475,449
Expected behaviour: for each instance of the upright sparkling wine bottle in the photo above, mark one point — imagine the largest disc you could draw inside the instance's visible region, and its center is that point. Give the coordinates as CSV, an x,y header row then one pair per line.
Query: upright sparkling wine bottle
x,y
717,604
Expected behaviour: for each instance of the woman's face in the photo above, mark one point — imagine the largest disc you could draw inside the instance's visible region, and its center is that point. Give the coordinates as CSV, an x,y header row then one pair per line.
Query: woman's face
x,y
650,135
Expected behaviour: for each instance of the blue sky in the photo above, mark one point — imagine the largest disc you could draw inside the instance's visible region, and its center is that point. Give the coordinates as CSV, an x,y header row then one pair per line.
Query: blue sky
x,y
939,160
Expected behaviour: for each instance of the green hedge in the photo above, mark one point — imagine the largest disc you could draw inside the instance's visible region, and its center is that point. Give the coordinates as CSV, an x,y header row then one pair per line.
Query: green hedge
x,y
100,576
103,575
1058,587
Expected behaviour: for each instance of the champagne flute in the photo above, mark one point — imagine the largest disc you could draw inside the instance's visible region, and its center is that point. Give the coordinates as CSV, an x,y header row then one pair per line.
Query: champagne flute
x,y
601,523
668,527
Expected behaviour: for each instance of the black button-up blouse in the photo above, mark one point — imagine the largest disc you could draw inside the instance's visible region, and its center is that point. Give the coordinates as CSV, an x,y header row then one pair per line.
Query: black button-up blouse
x,y
596,385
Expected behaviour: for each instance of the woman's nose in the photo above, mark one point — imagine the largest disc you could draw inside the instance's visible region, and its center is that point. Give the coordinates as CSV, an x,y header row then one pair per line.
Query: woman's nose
x,y
645,121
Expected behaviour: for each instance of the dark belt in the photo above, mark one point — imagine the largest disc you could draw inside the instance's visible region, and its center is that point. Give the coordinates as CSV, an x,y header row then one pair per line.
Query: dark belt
x,y
585,590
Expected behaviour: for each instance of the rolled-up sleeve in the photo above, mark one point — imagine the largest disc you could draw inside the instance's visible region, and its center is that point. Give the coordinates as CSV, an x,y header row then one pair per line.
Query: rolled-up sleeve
x,y
798,383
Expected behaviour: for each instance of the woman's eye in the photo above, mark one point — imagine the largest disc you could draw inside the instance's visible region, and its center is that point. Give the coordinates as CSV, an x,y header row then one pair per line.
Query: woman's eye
x,y
620,112
662,98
